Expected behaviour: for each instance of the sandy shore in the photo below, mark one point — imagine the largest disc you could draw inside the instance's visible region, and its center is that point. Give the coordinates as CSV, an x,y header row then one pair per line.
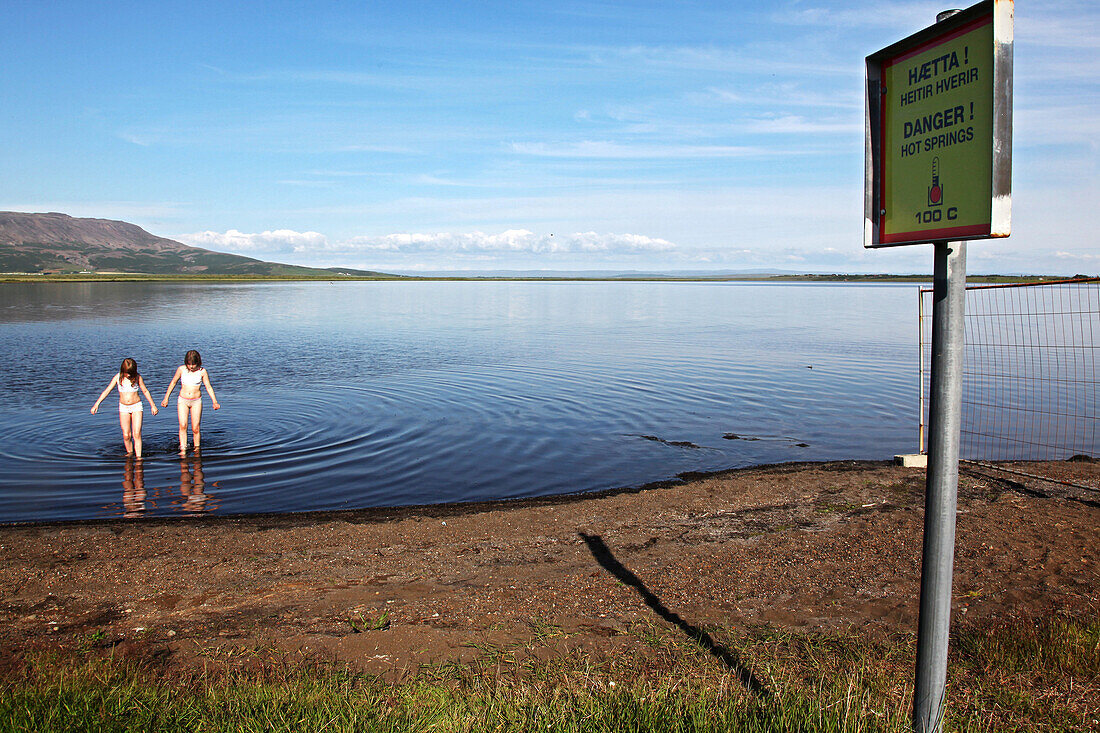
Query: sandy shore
x,y
832,546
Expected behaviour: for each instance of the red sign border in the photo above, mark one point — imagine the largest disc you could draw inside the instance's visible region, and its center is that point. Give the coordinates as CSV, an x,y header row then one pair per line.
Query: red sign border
x,y
973,230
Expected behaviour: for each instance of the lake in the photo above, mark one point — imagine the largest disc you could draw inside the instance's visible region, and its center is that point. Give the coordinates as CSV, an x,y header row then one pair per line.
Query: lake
x,y
361,394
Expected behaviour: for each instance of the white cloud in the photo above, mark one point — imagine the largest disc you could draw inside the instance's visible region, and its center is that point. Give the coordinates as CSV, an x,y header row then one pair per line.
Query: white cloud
x,y
716,59
912,16
304,183
280,240
607,149
622,243
511,241
474,245
366,148
429,179
779,95
1086,257
800,124
1043,29
135,139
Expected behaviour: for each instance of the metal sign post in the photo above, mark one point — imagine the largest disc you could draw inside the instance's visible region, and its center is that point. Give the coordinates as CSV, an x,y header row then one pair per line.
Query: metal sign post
x,y
941,484
938,169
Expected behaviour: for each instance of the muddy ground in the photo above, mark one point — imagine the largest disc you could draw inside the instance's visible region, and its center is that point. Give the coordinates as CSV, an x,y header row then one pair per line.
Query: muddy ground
x,y
830,546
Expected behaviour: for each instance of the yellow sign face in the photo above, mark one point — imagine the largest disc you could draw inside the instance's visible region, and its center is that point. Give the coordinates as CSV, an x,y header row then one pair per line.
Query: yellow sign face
x,y
937,138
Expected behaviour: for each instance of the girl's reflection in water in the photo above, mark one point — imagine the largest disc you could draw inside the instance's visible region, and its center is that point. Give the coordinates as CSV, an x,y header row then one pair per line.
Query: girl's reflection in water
x,y
193,485
195,500
133,488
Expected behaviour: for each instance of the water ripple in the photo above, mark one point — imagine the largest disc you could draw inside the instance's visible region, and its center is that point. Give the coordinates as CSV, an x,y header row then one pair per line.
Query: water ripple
x,y
426,394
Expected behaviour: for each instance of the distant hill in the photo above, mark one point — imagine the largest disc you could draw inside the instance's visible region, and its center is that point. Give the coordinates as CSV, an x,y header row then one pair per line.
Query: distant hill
x,y
60,243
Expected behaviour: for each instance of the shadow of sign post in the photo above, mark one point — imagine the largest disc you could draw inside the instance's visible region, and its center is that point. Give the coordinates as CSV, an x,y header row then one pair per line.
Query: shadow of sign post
x,y
728,657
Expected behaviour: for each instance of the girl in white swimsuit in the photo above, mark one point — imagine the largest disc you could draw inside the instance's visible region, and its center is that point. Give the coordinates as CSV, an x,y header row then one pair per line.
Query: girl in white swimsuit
x,y
128,382
190,376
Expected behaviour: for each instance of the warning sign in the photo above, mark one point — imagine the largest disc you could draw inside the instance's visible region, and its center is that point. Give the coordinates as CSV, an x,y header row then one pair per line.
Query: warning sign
x,y
936,159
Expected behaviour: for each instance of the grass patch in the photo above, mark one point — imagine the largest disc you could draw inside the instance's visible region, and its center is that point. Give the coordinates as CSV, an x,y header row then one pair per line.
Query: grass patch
x,y
1016,676
106,694
360,623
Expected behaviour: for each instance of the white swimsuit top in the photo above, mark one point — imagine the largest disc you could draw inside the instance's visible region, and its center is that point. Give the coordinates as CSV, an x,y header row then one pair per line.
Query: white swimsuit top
x,y
126,386
190,378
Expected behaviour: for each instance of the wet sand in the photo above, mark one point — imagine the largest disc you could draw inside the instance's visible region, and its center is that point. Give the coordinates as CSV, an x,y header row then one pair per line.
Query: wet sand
x,y
827,546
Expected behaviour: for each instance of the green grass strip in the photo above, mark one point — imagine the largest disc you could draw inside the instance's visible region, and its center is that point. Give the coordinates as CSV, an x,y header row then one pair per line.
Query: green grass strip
x,y
1023,675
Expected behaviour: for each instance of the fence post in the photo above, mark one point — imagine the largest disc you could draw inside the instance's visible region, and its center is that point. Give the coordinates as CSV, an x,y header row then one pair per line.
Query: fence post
x,y
944,418
920,375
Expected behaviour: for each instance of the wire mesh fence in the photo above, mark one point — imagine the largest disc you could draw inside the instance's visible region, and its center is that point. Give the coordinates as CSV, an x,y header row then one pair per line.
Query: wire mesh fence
x,y
1029,372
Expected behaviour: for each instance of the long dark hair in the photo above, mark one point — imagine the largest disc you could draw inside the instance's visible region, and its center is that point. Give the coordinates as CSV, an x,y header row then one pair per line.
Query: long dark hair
x,y
192,359
129,371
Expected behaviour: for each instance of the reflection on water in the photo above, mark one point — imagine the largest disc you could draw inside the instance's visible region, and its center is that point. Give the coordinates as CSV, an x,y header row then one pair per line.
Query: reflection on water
x,y
133,488
192,498
193,485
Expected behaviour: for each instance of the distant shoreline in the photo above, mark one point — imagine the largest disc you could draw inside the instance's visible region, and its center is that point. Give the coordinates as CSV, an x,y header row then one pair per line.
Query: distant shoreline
x,y
808,278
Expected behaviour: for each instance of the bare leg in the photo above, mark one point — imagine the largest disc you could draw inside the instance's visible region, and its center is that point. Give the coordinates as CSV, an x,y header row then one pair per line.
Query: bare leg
x,y
127,441
196,416
135,430
181,412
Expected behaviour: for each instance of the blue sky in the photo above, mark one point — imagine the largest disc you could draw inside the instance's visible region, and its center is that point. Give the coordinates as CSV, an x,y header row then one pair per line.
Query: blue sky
x,y
516,135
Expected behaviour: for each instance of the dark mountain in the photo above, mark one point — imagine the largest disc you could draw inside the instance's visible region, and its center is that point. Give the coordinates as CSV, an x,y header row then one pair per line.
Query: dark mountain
x,y
58,242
